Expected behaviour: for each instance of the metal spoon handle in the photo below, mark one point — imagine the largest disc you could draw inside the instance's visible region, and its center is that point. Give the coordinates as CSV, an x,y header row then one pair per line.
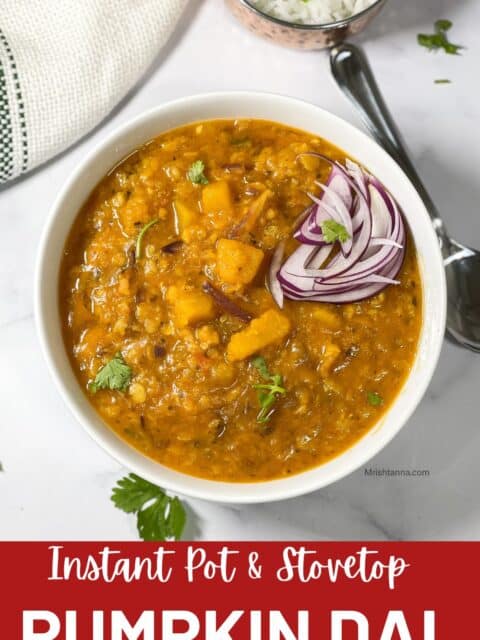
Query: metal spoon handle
x,y
354,76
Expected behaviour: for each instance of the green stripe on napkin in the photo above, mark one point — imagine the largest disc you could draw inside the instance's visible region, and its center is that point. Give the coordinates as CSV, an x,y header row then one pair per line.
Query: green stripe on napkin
x,y
13,127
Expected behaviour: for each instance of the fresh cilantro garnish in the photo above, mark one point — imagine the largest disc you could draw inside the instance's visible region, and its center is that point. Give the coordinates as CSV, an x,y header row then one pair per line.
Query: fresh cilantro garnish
x,y
443,25
374,398
268,392
159,517
115,375
143,231
1,467
439,39
195,173
443,81
333,231
260,364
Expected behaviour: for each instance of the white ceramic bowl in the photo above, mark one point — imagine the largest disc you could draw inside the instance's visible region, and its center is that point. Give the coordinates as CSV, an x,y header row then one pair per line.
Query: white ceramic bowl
x,y
232,105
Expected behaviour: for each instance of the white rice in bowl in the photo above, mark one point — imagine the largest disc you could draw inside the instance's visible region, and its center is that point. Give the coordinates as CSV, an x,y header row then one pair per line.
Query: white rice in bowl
x,y
311,11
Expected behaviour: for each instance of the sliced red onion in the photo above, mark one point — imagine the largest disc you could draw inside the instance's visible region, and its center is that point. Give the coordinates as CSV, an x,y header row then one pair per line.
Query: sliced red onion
x,y
302,217
273,282
319,258
378,242
335,204
367,263
225,303
359,177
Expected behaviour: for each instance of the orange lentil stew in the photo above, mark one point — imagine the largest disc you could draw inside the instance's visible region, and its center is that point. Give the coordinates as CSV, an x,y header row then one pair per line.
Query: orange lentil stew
x,y
171,328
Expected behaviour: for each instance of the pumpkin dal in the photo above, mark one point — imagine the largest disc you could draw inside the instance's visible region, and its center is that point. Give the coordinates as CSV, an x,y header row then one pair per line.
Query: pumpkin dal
x,y
171,326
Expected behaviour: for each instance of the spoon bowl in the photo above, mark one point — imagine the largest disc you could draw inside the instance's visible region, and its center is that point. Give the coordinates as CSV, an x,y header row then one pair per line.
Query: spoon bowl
x,y
462,269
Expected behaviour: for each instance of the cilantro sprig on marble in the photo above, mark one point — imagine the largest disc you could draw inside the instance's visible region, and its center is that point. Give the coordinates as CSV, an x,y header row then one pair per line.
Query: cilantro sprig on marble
x,y
114,375
439,39
268,392
159,516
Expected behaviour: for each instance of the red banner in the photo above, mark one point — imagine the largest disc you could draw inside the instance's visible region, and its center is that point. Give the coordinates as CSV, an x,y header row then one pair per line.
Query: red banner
x,y
239,591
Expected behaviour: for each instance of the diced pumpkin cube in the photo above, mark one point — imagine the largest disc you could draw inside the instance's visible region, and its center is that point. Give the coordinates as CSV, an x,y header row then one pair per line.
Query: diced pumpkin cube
x,y
207,336
256,209
185,218
311,163
330,353
190,307
237,262
217,198
271,327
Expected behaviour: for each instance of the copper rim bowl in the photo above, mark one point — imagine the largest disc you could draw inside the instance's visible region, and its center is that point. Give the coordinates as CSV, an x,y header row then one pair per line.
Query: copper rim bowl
x,y
302,36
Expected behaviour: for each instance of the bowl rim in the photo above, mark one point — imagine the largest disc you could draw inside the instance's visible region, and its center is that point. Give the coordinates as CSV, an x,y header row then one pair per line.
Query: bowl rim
x,y
132,459
326,26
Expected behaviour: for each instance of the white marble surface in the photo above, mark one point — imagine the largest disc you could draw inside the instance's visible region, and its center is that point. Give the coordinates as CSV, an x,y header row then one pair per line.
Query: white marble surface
x,y
56,481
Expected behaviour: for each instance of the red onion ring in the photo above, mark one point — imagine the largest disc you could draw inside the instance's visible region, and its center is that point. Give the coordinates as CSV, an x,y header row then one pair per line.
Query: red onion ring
x,y
368,262
273,282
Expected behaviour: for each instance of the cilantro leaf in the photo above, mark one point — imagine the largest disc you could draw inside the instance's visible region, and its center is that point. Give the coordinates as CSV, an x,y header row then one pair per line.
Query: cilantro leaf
x,y
114,375
196,173
333,231
439,39
260,364
266,400
132,492
443,81
159,517
143,231
269,392
177,518
375,399
164,519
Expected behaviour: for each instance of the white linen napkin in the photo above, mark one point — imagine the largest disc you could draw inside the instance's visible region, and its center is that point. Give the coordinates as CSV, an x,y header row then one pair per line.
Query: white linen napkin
x,y
65,64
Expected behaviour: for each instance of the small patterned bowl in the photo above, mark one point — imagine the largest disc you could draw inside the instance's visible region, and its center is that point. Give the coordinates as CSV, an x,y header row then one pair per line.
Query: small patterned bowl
x,y
302,36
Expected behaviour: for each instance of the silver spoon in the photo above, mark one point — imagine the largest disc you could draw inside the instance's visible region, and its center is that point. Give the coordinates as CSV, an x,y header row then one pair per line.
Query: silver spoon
x,y
352,72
